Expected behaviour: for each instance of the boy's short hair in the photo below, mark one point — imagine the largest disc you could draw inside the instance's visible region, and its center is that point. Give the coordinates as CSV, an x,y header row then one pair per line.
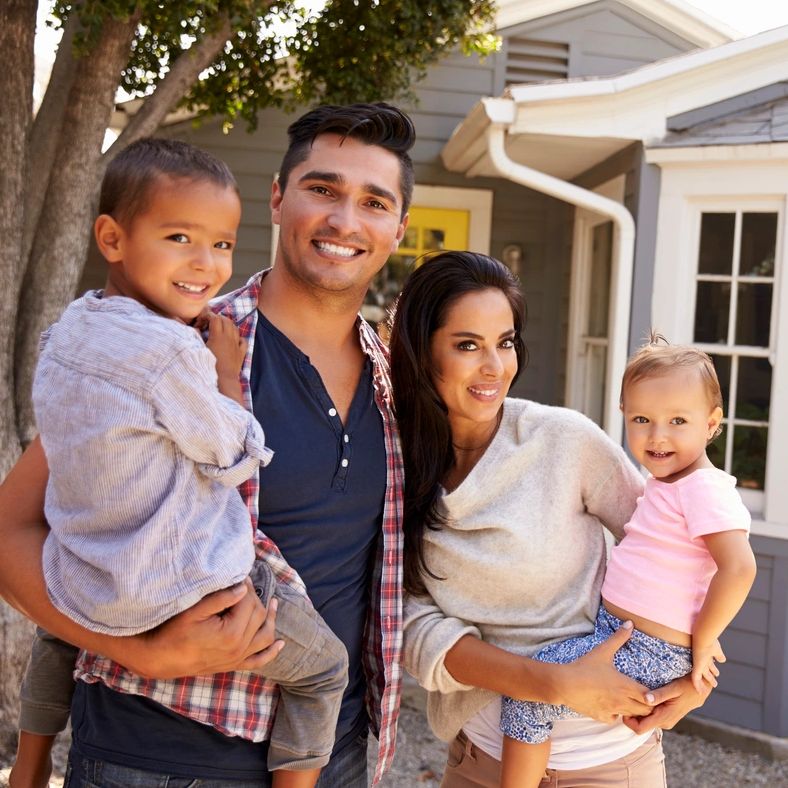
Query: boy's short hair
x,y
658,356
373,124
130,175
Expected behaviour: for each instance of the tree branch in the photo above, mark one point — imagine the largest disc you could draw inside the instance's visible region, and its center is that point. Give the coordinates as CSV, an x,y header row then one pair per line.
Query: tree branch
x,y
173,87
46,131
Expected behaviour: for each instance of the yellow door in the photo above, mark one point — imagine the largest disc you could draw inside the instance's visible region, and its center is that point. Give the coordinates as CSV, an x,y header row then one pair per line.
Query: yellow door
x,y
429,230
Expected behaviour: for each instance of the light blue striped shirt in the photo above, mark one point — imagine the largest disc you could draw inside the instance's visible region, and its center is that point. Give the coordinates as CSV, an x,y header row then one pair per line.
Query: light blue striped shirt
x,y
144,456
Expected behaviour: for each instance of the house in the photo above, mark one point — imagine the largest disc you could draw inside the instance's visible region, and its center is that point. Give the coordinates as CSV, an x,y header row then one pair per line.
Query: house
x,y
629,159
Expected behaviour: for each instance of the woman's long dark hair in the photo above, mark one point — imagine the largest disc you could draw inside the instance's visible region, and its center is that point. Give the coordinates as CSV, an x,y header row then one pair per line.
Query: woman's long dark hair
x,y
421,414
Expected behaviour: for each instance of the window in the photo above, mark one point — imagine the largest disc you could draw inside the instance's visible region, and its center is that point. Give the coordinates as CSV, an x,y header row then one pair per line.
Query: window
x,y
734,295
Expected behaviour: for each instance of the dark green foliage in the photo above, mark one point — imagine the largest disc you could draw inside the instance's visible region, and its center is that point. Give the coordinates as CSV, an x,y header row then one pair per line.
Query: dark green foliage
x,y
355,50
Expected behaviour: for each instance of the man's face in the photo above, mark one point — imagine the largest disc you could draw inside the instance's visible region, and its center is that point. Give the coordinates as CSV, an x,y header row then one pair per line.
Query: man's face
x,y
339,217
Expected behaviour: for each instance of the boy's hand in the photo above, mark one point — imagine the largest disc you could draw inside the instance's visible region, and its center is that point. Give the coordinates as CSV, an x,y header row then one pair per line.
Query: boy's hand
x,y
226,344
703,667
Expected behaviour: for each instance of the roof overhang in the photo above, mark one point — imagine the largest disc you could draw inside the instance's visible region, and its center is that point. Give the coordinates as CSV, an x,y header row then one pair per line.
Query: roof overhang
x,y
565,128
681,18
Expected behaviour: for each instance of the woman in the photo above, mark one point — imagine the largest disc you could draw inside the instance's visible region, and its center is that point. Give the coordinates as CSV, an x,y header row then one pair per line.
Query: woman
x,y
506,501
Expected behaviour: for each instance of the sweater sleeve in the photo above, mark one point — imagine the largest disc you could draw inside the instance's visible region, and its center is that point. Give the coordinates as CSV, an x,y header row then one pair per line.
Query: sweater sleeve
x,y
429,635
612,484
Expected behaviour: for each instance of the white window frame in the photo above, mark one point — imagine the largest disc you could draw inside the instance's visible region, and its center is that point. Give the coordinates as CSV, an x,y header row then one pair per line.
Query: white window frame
x,y
727,181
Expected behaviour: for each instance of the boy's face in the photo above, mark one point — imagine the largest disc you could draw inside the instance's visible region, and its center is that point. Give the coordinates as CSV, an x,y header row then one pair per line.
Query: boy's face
x,y
340,216
669,421
176,255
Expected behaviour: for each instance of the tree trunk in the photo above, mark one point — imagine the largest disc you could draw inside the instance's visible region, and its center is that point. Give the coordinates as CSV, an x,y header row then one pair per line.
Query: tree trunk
x,y
61,240
17,27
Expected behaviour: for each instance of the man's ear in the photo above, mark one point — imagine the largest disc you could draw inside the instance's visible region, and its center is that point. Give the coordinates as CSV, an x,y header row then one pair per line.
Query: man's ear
x,y
276,202
109,238
400,233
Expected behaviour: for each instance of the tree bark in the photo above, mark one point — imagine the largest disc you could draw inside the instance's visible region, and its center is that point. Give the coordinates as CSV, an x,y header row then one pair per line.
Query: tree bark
x,y
17,29
61,239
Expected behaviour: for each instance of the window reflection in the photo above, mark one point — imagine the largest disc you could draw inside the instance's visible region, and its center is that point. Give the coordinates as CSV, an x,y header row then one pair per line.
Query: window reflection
x,y
716,243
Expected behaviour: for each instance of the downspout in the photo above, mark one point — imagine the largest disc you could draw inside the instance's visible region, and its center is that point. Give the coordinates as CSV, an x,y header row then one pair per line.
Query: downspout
x,y
623,256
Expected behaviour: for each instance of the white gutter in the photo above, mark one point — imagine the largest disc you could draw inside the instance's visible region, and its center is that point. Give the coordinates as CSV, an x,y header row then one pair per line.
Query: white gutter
x,y
622,263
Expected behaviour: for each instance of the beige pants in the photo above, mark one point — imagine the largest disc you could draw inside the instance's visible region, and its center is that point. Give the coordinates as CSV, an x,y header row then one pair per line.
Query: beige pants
x,y
470,767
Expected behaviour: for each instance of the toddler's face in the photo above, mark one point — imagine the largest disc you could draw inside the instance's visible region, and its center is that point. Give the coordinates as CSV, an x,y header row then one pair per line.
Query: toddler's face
x,y
669,421
176,255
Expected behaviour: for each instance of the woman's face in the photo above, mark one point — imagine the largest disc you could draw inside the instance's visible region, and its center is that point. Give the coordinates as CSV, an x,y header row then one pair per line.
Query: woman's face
x,y
473,357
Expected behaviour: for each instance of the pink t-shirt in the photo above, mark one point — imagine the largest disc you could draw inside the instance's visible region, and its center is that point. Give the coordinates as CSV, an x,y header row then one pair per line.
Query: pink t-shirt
x,y
661,569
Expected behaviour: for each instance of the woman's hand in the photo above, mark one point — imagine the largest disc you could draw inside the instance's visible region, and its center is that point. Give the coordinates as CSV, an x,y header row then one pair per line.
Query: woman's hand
x,y
594,688
227,630
672,702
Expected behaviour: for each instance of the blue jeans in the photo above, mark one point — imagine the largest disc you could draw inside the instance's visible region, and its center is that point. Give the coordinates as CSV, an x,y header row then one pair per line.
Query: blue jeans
x,y
347,769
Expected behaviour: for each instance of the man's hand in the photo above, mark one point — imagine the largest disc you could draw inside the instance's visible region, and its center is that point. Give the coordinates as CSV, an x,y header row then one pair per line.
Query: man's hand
x,y
594,688
227,630
672,702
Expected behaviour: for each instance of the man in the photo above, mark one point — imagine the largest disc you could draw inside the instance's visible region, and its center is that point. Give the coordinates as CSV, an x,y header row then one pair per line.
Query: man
x,y
316,377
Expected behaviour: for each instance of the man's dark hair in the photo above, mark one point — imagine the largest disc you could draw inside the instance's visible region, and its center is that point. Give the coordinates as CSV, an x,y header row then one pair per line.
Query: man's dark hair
x,y
134,171
373,124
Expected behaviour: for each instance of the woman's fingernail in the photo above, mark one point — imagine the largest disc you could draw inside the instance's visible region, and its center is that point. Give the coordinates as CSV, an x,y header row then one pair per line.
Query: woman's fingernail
x,y
649,698
627,625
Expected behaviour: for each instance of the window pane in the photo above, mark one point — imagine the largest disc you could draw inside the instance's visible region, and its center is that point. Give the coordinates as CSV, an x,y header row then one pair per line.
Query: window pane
x,y
434,239
599,290
749,456
411,238
758,242
753,314
723,366
716,449
716,243
711,312
754,389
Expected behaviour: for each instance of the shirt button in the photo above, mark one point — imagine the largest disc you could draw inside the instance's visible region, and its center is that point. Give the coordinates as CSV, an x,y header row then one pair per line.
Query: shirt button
x,y
347,439
345,463
332,412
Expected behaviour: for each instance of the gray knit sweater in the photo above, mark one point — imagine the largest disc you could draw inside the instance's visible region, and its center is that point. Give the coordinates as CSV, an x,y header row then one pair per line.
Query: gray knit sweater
x,y
524,555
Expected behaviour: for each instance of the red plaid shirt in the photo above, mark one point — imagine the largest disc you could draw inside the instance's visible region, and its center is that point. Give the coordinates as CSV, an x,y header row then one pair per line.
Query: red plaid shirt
x,y
243,703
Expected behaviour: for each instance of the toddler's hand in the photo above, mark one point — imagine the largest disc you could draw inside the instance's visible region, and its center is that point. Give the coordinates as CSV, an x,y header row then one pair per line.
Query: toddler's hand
x,y
703,667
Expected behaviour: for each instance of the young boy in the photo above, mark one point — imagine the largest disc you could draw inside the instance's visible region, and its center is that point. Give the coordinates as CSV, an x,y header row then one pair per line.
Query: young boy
x,y
147,438
684,567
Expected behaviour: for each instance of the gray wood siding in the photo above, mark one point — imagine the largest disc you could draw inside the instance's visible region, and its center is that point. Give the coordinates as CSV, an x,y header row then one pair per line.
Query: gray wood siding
x,y
604,38
753,689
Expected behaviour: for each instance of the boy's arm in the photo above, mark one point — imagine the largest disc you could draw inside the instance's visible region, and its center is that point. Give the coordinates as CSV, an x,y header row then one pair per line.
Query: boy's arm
x,y
203,639
727,592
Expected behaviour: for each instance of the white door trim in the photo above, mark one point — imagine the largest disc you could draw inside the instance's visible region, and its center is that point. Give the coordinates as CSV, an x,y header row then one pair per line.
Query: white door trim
x,y
585,222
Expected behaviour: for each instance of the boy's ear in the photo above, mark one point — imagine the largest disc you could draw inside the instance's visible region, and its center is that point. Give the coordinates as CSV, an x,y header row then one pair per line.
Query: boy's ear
x,y
109,238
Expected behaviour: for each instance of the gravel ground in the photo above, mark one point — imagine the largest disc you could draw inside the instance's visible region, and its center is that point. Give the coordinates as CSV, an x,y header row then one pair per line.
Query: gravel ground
x,y
692,762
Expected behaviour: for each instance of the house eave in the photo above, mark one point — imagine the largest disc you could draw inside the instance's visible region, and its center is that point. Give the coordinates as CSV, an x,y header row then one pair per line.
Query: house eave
x,y
681,18
564,128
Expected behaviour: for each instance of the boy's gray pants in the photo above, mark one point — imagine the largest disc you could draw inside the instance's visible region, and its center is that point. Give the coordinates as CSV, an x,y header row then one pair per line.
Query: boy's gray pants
x,y
311,670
